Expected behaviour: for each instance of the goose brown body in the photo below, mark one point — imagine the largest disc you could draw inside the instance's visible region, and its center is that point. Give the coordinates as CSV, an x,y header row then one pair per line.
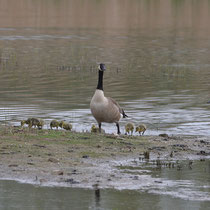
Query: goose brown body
x,y
104,109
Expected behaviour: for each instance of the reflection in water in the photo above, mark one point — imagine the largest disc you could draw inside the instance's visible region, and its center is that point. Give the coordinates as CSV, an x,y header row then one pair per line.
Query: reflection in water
x,y
97,195
158,62
163,189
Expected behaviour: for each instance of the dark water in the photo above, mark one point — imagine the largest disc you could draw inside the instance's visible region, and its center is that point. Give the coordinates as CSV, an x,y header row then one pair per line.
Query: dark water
x,y
187,188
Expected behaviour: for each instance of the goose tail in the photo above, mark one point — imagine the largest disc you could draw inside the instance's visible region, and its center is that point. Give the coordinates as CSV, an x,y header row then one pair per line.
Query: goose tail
x,y
124,115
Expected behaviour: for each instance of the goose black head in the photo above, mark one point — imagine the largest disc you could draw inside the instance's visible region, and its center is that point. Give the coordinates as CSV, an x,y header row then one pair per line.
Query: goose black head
x,y
101,67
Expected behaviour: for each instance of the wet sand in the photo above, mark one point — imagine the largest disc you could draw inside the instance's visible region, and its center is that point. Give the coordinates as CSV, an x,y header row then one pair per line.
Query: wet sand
x,y
89,160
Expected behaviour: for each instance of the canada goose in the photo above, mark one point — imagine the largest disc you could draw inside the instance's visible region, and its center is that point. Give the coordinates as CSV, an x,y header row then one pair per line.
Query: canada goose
x,y
54,124
141,129
33,122
64,125
61,124
30,122
67,126
94,129
22,122
105,109
129,127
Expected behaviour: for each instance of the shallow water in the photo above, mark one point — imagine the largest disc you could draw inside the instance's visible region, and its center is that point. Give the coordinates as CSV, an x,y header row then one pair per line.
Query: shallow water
x,y
156,52
184,187
157,58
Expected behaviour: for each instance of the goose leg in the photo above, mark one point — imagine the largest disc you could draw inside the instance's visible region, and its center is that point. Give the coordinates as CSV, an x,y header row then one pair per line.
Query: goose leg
x,y
118,128
99,126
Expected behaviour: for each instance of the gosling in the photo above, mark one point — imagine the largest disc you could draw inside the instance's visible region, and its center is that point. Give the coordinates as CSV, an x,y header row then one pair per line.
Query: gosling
x,y
54,124
66,126
129,127
22,122
94,129
141,129
40,124
61,124
31,122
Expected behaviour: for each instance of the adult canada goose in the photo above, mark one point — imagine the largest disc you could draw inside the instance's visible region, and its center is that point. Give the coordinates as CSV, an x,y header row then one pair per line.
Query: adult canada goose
x,y
105,109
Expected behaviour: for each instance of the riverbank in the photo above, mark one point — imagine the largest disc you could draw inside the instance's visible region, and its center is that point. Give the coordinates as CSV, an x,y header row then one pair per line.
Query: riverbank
x,y
63,158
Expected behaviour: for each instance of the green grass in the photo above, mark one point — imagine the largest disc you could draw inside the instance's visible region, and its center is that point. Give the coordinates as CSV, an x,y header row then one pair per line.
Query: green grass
x,y
58,141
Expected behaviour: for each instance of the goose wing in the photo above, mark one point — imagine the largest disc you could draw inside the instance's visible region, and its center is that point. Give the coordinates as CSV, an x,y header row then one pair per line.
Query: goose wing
x,y
111,100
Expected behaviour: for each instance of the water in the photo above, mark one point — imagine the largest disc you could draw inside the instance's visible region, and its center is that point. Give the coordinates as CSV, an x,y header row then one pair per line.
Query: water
x,y
157,188
157,58
158,62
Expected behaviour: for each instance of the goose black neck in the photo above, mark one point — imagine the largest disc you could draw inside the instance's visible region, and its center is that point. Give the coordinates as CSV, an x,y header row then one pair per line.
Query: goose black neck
x,y
100,80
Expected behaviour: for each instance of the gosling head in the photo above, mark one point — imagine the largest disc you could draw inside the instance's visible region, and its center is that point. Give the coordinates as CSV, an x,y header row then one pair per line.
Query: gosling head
x,y
93,126
101,67
93,129
61,123
23,122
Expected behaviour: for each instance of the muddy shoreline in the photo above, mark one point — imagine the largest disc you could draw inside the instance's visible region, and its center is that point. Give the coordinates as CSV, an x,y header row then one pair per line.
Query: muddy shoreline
x,y
69,159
